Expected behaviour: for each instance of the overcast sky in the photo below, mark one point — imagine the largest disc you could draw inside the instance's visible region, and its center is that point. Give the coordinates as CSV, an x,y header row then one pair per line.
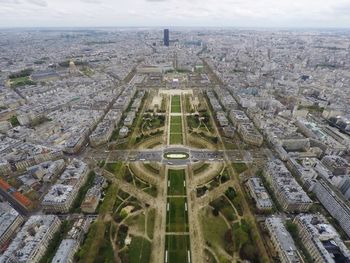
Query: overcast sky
x,y
236,13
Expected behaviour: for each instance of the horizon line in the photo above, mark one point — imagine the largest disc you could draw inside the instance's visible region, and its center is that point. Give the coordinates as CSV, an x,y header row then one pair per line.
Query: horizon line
x,y
170,26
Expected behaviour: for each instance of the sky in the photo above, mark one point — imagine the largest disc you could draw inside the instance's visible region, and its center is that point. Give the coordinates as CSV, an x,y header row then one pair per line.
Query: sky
x,y
167,13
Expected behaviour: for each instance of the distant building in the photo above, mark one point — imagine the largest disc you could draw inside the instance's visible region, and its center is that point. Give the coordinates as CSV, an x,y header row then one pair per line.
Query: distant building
x,y
5,126
166,37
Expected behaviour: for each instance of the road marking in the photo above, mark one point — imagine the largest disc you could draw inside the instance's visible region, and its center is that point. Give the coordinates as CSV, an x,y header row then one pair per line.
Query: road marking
x,y
166,256
184,183
188,256
186,206
167,207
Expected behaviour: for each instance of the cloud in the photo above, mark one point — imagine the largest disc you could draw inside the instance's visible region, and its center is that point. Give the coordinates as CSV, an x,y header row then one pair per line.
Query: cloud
x,y
263,13
42,3
91,1
9,2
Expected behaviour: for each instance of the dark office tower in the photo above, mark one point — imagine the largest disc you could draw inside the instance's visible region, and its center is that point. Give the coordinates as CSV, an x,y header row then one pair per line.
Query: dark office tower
x,y
166,37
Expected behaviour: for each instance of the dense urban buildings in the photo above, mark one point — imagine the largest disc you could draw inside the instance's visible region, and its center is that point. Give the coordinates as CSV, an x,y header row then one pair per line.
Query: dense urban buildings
x,y
217,145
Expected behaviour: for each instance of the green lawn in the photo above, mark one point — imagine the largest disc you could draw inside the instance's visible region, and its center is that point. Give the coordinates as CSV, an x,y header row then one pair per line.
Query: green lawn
x,y
113,167
176,123
177,248
176,119
93,242
175,130
175,138
214,228
21,81
175,104
150,222
151,168
239,167
176,180
137,222
177,220
201,168
139,250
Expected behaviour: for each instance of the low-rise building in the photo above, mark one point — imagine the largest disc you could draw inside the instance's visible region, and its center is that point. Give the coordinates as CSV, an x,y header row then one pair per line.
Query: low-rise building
x,y
336,164
289,193
32,240
222,119
10,221
237,117
61,196
250,134
66,251
130,117
334,203
282,241
259,194
123,132
320,239
5,126
91,200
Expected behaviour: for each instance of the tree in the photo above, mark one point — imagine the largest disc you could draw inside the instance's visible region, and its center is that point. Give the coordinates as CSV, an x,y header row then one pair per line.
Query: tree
x,y
230,193
248,252
240,237
292,228
14,121
228,241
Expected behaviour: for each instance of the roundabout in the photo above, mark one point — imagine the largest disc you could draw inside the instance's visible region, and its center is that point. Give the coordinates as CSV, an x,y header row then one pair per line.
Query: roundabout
x,y
176,155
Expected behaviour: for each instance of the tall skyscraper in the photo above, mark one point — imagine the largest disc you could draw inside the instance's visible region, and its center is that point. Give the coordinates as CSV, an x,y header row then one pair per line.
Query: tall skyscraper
x,y
166,37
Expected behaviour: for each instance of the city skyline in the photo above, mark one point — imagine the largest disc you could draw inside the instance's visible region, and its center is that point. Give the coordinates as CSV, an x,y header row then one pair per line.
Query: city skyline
x,y
167,13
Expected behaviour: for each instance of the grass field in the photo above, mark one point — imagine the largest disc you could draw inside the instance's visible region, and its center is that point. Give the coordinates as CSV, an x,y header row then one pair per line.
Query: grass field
x,y
21,81
175,124
201,168
175,130
175,138
176,180
139,250
113,167
177,249
177,218
239,167
175,104
150,222
175,127
214,229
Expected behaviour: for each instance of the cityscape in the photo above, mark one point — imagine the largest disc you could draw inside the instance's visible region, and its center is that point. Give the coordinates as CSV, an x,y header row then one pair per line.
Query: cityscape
x,y
174,145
